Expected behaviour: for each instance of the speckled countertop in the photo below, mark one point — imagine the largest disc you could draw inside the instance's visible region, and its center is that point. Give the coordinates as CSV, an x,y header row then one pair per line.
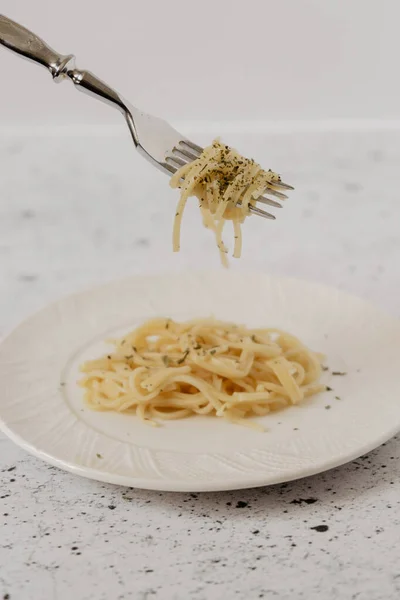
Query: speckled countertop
x,y
79,211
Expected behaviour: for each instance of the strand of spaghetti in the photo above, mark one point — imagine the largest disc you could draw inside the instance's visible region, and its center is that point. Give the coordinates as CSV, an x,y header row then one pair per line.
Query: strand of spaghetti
x,y
239,397
247,196
220,368
261,411
310,363
141,412
186,190
237,231
206,389
221,246
176,414
281,370
163,377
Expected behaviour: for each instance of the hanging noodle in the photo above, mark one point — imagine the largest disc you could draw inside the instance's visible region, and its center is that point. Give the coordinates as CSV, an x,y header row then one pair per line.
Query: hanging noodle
x,y
170,370
221,178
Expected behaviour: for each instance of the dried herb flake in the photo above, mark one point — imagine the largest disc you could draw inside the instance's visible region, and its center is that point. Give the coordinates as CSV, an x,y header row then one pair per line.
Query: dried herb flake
x,y
181,360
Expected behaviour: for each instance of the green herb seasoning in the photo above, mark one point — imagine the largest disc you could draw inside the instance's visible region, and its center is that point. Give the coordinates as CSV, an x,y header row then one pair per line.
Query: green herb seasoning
x,y
182,360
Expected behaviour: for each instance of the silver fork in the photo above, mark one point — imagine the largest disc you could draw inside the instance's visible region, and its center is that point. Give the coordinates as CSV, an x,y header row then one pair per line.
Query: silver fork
x,y
154,138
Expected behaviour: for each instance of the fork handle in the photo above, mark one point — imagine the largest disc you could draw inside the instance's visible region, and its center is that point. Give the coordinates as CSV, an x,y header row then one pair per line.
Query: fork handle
x,y
17,38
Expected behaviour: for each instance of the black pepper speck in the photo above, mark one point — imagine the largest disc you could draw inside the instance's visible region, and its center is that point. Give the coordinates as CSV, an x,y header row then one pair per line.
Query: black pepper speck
x,y
304,501
320,528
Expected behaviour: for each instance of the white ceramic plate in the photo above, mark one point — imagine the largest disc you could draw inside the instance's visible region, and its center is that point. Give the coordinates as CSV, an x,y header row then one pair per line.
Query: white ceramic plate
x,y
41,406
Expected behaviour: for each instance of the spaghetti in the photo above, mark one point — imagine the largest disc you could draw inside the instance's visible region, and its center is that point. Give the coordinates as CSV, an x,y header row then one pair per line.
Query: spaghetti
x,y
170,370
226,185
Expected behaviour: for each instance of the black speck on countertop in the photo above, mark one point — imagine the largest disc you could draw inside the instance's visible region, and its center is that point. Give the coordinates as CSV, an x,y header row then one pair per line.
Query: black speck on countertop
x,y
320,528
304,501
241,504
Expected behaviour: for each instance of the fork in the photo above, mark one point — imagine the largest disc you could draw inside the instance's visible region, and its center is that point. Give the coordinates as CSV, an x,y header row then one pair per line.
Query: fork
x,y
153,137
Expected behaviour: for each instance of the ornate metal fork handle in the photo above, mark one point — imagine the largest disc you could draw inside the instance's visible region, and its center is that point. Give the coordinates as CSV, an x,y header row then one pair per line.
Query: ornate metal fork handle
x,y
22,41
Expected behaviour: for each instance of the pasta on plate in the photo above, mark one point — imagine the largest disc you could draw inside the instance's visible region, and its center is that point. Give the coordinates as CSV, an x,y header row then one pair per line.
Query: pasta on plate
x,y
169,370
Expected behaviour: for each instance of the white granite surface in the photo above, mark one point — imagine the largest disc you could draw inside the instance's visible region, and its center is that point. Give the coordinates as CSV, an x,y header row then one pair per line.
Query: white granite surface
x,y
75,211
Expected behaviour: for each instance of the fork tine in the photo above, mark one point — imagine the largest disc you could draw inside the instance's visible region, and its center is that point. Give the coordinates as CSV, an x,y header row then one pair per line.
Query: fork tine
x,y
268,201
193,147
257,211
283,185
261,213
170,168
175,159
270,192
184,154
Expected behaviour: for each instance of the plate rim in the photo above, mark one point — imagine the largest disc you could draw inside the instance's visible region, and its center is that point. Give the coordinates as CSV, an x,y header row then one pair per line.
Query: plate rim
x,y
182,485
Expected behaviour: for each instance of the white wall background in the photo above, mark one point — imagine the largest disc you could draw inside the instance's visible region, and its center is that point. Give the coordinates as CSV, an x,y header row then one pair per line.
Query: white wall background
x,y
211,59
